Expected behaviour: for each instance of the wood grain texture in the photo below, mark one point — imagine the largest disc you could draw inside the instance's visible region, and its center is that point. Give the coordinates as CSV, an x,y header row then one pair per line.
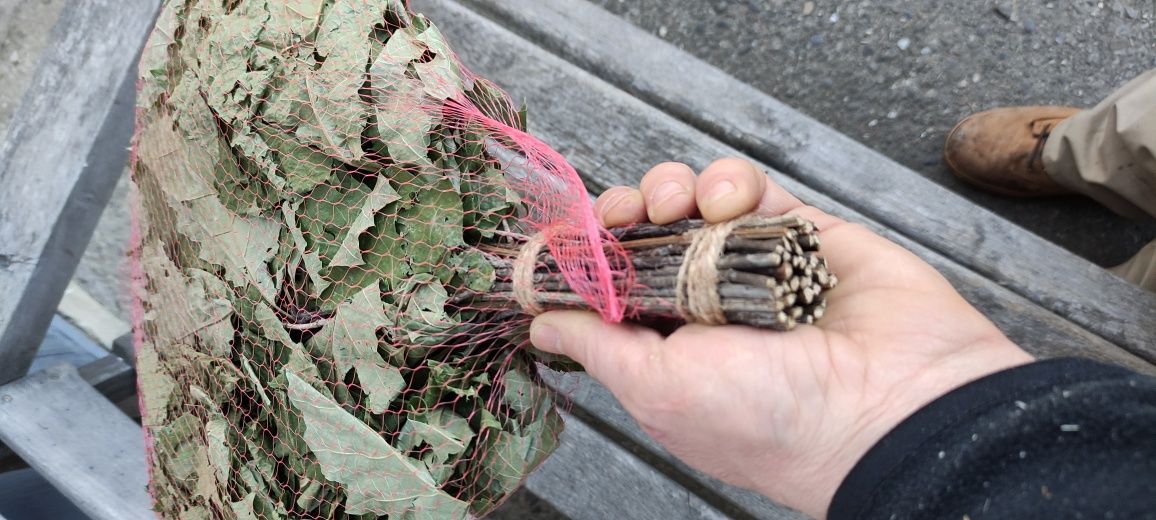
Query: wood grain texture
x,y
110,376
590,478
54,186
843,169
92,452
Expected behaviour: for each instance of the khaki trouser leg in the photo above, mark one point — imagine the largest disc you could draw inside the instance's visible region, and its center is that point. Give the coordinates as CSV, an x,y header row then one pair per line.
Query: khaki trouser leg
x,y
1109,154
1141,268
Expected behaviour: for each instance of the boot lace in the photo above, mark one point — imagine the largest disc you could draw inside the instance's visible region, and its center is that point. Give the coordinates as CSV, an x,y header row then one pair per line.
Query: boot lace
x,y
1036,159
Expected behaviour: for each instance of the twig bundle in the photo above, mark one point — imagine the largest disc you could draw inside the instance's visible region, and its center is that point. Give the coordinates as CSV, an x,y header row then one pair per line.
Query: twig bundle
x,y
769,273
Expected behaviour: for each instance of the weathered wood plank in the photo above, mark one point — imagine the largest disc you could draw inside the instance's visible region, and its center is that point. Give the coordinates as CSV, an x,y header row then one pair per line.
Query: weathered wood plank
x,y
613,138
840,167
6,11
125,349
89,315
113,378
589,478
110,376
55,187
77,440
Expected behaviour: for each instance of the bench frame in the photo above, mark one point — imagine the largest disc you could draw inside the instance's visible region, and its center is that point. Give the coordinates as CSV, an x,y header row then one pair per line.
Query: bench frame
x,y
66,146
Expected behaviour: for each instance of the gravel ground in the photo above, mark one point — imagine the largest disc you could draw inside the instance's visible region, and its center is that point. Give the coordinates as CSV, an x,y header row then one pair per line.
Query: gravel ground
x,y
898,74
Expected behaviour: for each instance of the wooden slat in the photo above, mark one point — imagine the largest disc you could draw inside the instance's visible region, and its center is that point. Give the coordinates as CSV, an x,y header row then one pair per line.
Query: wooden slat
x,y
110,375
78,441
64,150
89,315
124,348
589,478
613,138
115,379
848,172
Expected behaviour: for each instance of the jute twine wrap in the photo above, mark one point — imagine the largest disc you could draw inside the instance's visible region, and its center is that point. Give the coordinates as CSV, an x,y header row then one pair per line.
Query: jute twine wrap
x,y
697,285
523,276
696,288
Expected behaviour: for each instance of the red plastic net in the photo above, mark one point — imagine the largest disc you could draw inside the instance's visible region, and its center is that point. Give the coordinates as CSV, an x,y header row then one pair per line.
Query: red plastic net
x,y
330,215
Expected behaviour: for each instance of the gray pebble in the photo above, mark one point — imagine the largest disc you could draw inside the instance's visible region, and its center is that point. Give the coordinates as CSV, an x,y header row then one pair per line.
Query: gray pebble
x,y
1005,11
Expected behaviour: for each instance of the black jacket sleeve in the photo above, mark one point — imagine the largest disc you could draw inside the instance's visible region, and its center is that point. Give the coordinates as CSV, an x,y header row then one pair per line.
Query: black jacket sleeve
x,y
1065,438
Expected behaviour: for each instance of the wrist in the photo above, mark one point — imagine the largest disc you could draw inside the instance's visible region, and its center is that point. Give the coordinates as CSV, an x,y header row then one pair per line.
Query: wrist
x,y
890,408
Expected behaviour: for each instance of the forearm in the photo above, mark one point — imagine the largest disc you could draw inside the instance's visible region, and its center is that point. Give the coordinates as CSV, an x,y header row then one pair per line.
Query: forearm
x,y
1042,440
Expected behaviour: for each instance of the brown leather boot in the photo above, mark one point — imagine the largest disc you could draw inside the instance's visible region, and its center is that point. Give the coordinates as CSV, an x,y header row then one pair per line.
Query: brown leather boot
x,y
1002,150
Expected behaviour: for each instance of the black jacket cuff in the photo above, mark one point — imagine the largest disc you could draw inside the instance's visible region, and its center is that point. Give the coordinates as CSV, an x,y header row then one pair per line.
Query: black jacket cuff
x,y
969,440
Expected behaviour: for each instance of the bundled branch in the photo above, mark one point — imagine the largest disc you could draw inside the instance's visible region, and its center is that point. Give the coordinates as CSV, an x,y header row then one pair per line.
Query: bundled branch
x,y
768,274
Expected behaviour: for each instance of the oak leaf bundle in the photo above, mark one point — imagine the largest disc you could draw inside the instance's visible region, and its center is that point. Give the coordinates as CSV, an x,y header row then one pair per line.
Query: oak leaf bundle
x,y
342,236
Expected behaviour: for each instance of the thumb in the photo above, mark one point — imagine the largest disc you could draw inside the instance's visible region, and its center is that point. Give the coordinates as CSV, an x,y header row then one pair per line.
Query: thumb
x,y
608,351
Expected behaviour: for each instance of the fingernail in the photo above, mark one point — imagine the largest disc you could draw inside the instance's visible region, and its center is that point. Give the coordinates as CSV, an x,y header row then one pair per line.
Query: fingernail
x,y
720,190
545,337
666,191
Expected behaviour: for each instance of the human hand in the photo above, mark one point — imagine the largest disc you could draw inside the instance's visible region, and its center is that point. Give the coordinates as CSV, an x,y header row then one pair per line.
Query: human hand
x,y
786,414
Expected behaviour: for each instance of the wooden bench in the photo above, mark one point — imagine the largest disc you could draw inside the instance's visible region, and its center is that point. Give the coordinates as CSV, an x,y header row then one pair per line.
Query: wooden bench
x,y
79,441
614,100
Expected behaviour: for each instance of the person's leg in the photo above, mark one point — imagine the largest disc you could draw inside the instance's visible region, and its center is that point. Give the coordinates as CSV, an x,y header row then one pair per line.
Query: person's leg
x,y
1141,268
1002,150
1109,152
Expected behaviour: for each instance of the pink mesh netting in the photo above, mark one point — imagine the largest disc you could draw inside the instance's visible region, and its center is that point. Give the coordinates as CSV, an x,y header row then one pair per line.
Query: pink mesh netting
x,y
324,195
341,235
